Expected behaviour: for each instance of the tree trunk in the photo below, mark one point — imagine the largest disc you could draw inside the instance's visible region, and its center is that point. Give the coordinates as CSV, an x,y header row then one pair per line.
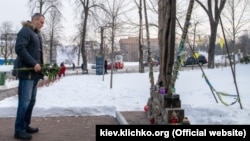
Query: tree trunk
x,y
212,41
141,66
83,49
166,35
214,16
151,76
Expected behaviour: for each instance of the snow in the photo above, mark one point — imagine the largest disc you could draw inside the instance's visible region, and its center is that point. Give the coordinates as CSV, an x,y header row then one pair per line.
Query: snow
x,y
81,95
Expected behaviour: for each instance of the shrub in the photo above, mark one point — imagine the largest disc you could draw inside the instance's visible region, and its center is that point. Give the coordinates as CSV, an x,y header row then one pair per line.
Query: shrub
x,y
245,59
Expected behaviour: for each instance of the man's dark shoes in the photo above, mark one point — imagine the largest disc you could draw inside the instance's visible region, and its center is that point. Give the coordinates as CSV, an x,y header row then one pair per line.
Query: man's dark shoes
x,y
23,136
31,130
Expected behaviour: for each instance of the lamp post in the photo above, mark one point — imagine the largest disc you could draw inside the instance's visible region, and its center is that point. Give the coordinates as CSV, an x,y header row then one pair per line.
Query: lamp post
x,y
101,48
102,51
1,46
102,37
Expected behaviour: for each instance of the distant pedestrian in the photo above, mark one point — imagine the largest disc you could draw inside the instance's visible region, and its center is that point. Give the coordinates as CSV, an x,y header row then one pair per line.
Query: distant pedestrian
x,y
82,66
62,70
105,67
73,66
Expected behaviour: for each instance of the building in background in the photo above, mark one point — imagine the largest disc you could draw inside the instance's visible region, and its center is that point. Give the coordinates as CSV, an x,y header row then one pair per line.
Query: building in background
x,y
7,48
130,48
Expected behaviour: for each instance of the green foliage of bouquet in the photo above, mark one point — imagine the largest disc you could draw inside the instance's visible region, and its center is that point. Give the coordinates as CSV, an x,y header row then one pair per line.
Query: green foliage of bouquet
x,y
47,70
50,71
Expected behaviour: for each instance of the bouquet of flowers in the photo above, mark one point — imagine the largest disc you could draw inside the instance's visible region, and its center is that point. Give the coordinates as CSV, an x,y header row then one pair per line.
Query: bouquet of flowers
x,y
47,70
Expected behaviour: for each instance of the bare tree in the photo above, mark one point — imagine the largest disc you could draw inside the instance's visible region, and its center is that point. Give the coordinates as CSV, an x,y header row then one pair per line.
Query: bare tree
x,y
113,9
7,40
52,9
43,6
236,14
213,14
151,76
141,66
152,10
194,27
86,8
77,47
54,29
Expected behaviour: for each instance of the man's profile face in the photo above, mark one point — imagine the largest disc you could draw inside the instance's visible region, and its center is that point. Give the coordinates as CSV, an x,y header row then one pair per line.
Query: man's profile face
x,y
39,22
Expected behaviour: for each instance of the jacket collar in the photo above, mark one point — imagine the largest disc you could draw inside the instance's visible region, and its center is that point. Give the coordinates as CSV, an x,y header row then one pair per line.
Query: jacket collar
x,y
30,25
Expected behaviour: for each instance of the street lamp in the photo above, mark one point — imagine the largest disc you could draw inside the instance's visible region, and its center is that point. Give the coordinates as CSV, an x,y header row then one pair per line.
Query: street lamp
x,y
102,37
1,46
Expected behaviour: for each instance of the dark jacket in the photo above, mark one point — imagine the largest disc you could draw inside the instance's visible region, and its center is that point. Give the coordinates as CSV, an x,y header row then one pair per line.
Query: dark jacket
x,y
29,51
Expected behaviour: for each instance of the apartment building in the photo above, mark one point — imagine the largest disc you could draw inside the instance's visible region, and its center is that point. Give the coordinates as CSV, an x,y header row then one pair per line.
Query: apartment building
x,y
129,48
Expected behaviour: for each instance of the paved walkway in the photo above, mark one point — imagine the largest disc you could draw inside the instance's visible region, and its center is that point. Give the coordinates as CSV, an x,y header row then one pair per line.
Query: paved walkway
x,y
81,128
59,128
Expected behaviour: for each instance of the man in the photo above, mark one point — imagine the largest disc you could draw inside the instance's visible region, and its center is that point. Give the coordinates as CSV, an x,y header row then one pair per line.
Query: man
x,y
105,67
30,56
74,66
